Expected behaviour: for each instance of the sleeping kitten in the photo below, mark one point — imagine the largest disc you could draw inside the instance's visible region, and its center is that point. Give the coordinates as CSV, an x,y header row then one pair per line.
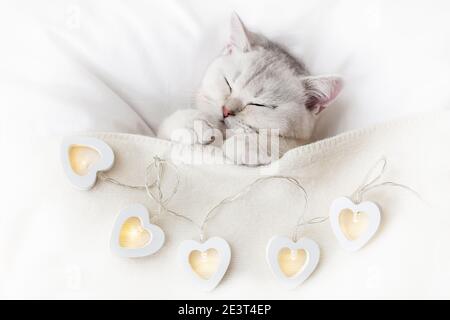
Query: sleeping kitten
x,y
254,88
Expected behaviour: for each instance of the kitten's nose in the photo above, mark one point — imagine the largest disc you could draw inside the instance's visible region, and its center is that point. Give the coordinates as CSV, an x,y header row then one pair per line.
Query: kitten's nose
x,y
227,112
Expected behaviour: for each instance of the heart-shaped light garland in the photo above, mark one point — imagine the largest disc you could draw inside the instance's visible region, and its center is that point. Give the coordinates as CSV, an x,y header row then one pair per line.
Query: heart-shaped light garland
x,y
84,160
292,261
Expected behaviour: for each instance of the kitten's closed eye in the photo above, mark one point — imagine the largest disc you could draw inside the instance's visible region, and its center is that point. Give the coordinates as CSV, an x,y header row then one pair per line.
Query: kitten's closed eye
x,y
262,105
251,103
228,84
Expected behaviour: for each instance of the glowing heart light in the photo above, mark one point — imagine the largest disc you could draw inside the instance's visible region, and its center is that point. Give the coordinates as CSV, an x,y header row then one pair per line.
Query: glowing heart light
x,y
205,263
292,262
354,224
83,158
133,235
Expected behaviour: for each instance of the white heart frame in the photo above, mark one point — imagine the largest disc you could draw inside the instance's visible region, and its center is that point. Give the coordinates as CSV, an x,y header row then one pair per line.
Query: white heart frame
x,y
277,243
219,244
105,162
370,208
157,234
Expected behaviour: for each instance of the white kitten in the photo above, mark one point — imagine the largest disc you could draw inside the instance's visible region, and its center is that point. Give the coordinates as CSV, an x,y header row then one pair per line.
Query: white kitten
x,y
254,88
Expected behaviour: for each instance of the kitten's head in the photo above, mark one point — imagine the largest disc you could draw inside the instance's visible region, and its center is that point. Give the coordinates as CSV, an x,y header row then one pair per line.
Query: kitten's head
x,y
255,85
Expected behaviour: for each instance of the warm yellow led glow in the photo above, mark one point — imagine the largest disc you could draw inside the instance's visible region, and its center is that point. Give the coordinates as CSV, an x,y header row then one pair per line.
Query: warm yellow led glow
x,y
133,235
292,261
353,224
82,158
204,264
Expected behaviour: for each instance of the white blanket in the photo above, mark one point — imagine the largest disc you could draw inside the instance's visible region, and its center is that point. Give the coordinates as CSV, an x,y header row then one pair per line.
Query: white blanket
x,y
54,240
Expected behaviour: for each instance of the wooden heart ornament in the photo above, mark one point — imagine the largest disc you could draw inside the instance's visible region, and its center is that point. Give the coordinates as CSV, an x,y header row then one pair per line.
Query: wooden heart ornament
x,y
292,262
133,235
206,262
354,224
83,158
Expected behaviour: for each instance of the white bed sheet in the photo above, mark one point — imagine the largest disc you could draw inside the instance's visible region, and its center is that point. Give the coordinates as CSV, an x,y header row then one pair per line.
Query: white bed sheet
x,y
125,65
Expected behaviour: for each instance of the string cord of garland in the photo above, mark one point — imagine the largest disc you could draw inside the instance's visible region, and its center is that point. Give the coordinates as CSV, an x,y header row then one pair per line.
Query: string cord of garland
x,y
369,184
154,191
159,164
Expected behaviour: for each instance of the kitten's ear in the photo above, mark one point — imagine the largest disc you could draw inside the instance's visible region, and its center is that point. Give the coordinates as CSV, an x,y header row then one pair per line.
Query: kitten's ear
x,y
240,37
321,91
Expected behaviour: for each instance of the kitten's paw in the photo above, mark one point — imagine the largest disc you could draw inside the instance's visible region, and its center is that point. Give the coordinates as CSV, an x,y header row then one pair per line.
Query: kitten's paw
x,y
190,127
244,150
204,132
200,133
